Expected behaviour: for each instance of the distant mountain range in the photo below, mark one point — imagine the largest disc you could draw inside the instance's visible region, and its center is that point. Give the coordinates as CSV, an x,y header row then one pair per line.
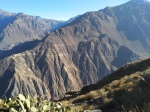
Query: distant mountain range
x,y
79,53
18,28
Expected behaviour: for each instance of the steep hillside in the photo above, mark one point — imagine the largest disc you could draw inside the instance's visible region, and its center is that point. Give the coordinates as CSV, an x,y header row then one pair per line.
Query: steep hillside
x,y
20,28
82,52
126,89
133,22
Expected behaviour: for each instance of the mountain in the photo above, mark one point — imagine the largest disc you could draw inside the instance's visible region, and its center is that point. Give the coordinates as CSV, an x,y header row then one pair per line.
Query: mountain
x,y
72,19
126,89
65,22
140,1
80,53
19,28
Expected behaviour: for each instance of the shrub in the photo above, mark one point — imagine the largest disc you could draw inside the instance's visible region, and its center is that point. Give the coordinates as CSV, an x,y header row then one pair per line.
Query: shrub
x,y
23,103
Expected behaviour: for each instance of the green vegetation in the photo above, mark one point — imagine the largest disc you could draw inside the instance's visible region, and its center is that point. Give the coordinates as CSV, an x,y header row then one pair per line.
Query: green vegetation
x,y
23,103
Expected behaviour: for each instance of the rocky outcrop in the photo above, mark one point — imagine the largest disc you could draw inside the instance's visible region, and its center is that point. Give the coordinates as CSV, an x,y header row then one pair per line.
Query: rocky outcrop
x,y
14,80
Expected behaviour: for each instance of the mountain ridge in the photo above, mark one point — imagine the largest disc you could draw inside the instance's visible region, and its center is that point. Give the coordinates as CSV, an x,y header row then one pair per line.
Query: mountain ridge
x,y
17,28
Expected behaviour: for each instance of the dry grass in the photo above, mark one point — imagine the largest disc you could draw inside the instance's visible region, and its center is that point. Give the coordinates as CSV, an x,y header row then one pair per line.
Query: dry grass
x,y
123,89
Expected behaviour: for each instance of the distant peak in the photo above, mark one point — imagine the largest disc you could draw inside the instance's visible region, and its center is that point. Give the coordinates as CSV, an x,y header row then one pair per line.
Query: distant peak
x,y
2,12
140,1
20,14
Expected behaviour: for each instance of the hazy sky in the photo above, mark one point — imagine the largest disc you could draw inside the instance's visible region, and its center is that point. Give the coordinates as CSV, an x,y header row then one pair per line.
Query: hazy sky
x,y
56,9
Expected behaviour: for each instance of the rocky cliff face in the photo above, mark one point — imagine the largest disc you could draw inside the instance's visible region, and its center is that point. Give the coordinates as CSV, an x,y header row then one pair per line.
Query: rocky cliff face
x,y
63,63
80,53
20,28
13,82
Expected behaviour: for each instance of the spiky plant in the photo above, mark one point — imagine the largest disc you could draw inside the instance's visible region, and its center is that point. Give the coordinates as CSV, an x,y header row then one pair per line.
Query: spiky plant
x,y
23,103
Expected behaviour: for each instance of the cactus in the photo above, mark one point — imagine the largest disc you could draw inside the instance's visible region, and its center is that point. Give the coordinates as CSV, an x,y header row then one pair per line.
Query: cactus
x,y
23,103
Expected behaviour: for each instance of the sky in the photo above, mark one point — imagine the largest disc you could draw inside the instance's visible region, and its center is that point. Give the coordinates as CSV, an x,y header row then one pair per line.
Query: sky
x,y
56,9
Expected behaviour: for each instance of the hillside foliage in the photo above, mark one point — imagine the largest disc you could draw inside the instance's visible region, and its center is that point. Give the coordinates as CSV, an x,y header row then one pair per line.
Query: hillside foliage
x,y
25,103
